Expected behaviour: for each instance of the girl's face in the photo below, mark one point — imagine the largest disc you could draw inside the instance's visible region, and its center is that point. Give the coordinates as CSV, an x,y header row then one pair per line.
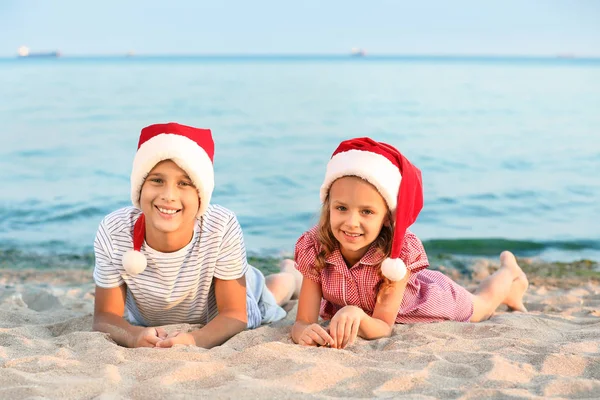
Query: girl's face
x,y
357,214
170,203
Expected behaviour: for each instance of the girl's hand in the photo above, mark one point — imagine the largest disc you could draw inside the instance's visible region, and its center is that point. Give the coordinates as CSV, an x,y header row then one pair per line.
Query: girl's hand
x,y
315,335
149,337
344,326
177,338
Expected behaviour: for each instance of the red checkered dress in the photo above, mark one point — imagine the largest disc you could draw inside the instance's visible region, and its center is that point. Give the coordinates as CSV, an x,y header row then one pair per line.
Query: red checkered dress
x,y
430,296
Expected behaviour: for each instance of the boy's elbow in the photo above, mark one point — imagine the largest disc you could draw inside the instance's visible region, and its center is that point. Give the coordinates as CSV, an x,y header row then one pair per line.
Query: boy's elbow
x,y
243,318
238,316
243,323
102,322
239,325
98,324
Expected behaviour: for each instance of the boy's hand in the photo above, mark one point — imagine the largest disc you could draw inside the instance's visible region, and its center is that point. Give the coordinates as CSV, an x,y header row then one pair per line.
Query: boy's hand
x,y
315,335
344,326
177,338
149,337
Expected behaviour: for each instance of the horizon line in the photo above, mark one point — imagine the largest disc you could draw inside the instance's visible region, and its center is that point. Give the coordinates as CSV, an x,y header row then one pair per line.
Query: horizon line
x,y
133,54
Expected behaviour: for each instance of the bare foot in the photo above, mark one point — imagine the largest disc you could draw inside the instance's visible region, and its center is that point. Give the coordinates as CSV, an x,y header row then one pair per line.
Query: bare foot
x,y
514,299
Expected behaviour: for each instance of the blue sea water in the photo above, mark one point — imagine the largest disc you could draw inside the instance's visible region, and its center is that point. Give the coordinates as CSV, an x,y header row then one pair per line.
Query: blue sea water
x,y
509,147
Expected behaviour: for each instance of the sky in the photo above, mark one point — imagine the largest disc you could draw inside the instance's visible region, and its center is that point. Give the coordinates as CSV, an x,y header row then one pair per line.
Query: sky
x,y
508,27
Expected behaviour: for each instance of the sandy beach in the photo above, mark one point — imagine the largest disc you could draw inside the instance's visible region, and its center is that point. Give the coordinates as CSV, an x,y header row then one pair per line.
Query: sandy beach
x,y
47,350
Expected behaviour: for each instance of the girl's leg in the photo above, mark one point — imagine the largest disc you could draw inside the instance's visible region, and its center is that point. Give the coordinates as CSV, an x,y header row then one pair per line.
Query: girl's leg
x,y
282,285
286,284
289,266
505,286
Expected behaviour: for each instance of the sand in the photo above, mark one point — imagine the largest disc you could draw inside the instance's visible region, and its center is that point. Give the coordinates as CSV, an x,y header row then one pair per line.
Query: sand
x,y
47,350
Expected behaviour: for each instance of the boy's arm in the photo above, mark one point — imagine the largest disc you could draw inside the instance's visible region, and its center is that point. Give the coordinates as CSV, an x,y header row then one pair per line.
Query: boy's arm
x,y
109,306
230,289
109,303
232,317
385,312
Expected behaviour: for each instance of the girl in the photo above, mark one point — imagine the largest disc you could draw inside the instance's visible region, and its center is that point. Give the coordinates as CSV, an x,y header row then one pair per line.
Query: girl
x,y
175,258
366,271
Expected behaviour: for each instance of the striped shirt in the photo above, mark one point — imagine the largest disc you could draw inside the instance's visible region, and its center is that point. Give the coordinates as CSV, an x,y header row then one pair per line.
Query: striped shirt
x,y
177,287
429,296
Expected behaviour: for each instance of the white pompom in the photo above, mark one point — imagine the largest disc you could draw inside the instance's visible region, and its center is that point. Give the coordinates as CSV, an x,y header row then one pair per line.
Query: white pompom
x,y
134,262
393,269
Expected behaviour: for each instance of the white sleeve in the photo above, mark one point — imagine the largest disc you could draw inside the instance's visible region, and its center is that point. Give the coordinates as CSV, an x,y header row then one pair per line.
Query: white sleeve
x,y
106,274
231,260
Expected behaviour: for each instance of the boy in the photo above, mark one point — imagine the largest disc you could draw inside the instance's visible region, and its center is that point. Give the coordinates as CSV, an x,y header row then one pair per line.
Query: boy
x,y
174,257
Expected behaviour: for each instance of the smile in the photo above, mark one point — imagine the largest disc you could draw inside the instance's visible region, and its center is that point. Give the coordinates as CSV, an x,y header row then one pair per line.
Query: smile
x,y
352,234
167,210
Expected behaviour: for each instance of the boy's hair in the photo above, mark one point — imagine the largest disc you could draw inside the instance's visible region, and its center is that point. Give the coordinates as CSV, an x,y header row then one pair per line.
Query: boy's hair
x,y
329,243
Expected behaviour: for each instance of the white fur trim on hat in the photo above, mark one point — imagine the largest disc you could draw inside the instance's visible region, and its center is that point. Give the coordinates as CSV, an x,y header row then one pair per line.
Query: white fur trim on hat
x,y
186,153
372,167
134,262
393,268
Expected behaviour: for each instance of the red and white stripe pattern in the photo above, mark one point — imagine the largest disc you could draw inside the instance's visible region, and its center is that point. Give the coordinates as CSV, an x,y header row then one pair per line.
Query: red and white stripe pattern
x,y
430,296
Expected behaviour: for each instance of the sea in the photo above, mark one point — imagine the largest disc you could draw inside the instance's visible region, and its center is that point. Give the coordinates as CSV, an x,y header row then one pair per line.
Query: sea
x,y
509,147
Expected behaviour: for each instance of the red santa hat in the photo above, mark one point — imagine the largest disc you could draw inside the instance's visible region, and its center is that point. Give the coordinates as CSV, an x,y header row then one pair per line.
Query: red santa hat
x,y
192,149
398,181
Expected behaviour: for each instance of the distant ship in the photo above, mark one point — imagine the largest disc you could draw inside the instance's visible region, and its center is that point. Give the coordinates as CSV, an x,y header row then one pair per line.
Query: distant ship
x,y
23,52
358,52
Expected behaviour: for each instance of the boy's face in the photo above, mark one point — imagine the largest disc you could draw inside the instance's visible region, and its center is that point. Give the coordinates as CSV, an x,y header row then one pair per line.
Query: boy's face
x,y
170,203
357,214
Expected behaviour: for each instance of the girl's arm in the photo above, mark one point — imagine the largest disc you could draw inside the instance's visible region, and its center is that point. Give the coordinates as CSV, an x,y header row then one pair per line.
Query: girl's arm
x,y
390,296
231,319
306,330
109,306
385,312
351,321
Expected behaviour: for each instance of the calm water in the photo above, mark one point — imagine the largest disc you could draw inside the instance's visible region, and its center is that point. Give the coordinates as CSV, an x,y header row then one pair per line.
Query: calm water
x,y
508,148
